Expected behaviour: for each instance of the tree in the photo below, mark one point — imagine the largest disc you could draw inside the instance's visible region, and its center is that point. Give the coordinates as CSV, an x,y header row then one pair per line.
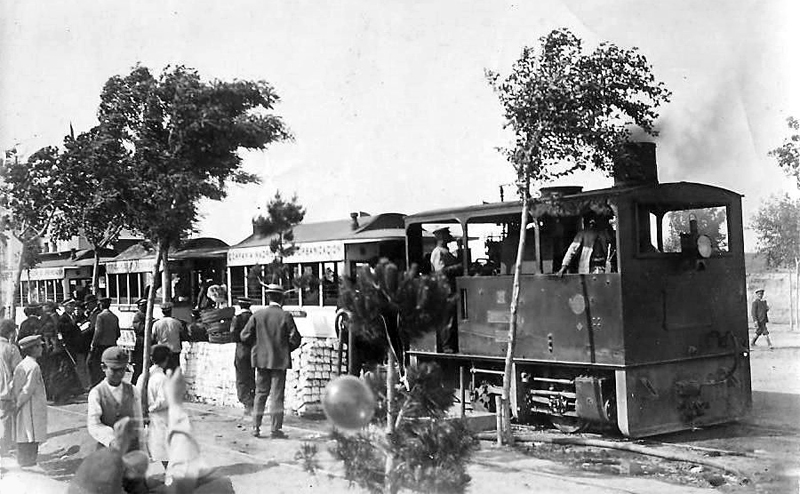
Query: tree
x,y
788,154
419,449
182,137
788,158
278,224
776,224
29,199
91,191
569,111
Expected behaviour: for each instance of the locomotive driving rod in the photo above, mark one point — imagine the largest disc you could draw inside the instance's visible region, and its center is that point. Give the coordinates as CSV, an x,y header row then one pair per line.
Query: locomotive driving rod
x,y
633,448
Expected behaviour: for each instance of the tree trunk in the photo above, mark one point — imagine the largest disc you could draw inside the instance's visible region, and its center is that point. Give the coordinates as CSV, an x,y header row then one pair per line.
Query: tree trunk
x,y
96,271
512,322
796,293
166,277
389,484
17,279
148,326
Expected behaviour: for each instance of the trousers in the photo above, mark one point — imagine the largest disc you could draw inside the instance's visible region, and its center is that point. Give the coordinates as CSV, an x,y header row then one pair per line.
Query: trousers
x,y
245,377
270,384
6,426
27,454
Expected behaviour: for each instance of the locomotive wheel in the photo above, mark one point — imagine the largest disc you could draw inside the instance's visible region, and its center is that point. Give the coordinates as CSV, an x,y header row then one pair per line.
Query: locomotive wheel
x,y
569,425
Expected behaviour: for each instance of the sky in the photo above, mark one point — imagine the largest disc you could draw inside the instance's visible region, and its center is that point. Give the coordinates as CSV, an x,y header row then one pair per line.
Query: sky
x,y
388,101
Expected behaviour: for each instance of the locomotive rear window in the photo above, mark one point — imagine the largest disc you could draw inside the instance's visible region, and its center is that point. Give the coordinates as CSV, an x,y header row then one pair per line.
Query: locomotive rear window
x,y
675,230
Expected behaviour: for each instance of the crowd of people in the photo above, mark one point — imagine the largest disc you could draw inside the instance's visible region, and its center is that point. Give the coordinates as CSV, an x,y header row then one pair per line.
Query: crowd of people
x,y
41,363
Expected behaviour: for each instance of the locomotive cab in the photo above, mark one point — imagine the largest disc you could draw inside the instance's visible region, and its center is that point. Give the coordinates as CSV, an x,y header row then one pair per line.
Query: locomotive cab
x,y
635,332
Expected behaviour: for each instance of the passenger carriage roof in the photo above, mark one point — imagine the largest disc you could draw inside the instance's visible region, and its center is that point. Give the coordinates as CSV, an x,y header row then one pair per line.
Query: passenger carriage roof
x,y
584,201
384,226
203,247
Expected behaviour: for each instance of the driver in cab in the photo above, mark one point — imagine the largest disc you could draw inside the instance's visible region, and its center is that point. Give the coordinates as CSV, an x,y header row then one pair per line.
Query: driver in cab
x,y
595,244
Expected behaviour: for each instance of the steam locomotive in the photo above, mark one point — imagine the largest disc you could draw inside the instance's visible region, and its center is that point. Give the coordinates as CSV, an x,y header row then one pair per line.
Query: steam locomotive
x,y
651,339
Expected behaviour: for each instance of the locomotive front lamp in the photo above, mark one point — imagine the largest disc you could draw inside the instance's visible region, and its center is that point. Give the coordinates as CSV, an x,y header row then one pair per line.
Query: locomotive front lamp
x,y
704,246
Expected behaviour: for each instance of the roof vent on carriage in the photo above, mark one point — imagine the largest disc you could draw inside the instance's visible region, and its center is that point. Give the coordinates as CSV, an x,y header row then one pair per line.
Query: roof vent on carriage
x,y
636,165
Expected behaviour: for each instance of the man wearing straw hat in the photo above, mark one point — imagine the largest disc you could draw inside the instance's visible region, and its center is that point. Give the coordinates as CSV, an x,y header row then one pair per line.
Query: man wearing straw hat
x,y
273,336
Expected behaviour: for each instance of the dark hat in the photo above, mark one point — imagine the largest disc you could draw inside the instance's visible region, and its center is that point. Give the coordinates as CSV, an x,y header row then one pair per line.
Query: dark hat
x,y
114,357
166,306
760,290
245,301
141,301
34,305
30,341
274,288
70,302
90,298
443,233
50,305
104,299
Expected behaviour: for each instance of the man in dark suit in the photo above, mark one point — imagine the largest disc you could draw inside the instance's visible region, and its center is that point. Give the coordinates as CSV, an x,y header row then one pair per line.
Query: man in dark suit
x,y
273,335
71,334
138,324
33,324
106,333
245,375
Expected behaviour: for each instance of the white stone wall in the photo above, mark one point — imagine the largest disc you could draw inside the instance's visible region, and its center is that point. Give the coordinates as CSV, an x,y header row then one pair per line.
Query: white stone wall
x,y
211,377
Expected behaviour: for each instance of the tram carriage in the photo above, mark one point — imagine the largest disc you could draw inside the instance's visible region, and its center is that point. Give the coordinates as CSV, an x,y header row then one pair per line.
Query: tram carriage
x,y
654,342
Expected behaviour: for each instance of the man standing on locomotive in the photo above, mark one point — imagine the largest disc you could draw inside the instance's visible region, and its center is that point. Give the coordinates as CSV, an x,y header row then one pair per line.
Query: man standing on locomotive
x,y
596,246
444,262
759,311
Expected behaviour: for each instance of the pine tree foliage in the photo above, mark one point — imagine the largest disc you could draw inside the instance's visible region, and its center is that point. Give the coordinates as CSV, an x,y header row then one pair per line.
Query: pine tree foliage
x,y
421,303
431,452
278,224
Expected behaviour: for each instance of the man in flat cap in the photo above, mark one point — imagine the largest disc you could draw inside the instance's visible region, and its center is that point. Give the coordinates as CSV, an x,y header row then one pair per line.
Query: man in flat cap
x,y
167,331
31,402
245,374
106,334
273,336
113,399
758,311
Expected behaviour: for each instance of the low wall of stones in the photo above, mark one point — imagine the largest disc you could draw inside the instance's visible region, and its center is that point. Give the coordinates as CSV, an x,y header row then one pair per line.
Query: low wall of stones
x,y
211,377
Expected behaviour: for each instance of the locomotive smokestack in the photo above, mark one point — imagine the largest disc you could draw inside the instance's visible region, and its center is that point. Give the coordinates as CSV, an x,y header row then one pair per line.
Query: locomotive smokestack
x,y
636,165
354,222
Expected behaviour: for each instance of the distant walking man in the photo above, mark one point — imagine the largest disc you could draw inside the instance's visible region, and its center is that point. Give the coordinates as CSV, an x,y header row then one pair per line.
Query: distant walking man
x,y
106,333
273,335
167,331
759,311
245,374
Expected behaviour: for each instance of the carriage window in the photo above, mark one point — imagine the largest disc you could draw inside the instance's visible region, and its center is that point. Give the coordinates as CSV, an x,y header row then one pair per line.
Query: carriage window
x,y
330,282
674,230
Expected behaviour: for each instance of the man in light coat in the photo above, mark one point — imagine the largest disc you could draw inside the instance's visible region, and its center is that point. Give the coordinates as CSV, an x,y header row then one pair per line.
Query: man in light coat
x,y
31,402
167,331
273,336
9,359
595,247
